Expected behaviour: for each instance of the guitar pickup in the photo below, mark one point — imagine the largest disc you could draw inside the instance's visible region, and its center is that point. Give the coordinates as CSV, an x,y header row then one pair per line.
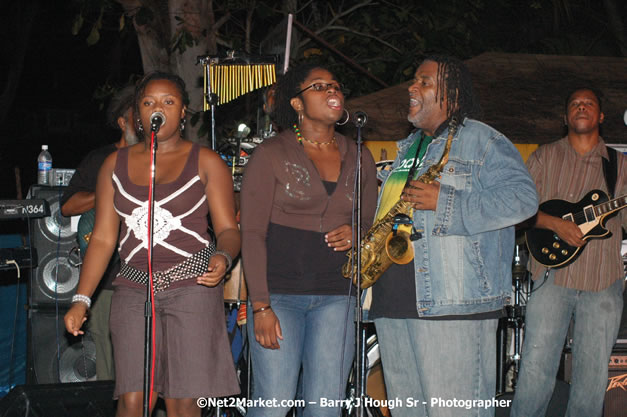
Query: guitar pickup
x,y
589,213
569,217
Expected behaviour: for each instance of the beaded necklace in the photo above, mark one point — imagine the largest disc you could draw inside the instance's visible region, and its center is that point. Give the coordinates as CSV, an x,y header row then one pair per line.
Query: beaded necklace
x,y
301,137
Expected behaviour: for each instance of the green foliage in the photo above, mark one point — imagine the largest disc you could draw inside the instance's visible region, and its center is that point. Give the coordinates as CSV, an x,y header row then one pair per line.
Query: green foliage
x,y
94,34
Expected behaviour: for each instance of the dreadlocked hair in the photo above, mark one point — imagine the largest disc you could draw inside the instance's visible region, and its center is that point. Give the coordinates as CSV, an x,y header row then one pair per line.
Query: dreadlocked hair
x,y
140,88
287,86
120,103
454,79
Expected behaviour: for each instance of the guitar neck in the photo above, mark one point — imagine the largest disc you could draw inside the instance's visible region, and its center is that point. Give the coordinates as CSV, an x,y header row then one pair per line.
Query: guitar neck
x,y
611,206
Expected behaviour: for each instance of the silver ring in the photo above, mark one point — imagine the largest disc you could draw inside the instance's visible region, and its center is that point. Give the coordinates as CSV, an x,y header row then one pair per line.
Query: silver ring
x,y
348,241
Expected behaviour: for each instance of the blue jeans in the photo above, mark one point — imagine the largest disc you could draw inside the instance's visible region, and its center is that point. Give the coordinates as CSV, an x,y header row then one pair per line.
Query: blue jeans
x,y
436,367
596,318
318,335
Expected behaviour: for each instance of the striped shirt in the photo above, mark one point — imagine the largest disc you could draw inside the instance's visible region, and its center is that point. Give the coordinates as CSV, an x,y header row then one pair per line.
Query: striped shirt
x,y
561,173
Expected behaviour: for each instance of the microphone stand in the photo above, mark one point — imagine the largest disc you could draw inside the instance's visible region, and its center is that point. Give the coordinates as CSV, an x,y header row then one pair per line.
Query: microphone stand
x,y
519,273
148,306
360,330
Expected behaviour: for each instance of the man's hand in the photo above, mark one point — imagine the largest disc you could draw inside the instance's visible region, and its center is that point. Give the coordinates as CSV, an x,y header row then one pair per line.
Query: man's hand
x,y
569,232
422,196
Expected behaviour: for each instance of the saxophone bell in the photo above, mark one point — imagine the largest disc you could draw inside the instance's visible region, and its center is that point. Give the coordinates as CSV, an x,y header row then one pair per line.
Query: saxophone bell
x,y
399,248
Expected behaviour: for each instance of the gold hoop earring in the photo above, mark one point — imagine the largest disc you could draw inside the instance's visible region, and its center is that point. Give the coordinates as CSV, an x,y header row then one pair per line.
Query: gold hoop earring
x,y
348,116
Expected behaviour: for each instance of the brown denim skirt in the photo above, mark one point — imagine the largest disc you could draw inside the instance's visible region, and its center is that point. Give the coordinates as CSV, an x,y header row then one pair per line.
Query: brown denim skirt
x,y
193,355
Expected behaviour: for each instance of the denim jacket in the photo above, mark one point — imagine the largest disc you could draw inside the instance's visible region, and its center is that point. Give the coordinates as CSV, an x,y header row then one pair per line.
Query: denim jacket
x,y
463,262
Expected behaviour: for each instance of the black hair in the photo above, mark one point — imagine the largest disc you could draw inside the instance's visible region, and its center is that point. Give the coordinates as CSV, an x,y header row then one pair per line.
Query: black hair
x,y
597,93
120,103
140,88
287,86
454,79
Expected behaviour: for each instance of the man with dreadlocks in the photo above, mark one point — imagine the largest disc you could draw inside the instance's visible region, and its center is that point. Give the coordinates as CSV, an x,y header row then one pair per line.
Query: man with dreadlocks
x,y
436,317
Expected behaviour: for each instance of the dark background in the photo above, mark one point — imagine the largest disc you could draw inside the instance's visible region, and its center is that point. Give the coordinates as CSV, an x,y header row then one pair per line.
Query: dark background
x,y
60,94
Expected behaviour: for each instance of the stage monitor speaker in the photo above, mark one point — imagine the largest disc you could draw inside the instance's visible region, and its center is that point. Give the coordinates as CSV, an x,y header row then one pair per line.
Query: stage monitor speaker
x,y
92,399
616,392
557,404
54,355
55,279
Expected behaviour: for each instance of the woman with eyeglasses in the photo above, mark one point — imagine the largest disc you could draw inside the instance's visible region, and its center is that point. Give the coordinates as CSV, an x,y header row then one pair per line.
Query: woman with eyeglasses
x,y
296,206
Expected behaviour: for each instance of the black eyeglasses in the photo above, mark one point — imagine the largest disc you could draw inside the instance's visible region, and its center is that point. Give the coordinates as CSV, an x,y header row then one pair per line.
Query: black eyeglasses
x,y
324,87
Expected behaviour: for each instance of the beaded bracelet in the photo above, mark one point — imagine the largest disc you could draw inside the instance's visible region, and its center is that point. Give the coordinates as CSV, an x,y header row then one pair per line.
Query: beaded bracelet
x,y
260,309
229,260
80,298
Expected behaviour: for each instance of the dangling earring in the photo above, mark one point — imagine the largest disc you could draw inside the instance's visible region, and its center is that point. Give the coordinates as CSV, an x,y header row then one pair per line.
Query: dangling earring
x,y
140,127
348,116
300,118
182,125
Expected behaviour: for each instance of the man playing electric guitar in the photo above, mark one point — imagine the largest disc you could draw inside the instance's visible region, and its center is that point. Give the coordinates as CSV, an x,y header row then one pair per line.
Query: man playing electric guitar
x,y
588,289
79,198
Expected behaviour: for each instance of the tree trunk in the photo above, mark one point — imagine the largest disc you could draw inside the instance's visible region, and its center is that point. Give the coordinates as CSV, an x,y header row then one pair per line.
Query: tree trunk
x,y
169,19
151,46
194,21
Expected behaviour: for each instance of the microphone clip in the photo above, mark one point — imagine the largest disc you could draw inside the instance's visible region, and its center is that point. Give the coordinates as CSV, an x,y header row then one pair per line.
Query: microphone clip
x,y
157,120
360,118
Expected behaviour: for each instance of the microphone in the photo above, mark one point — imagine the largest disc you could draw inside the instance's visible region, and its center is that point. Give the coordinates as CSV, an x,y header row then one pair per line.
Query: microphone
x,y
360,118
157,119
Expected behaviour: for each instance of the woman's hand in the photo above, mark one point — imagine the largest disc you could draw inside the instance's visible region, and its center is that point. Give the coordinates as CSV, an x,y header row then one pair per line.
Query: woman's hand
x,y
340,239
75,317
267,329
215,271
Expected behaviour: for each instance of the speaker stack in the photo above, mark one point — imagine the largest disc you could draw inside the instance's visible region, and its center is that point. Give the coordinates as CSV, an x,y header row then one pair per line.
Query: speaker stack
x,y
616,392
55,400
53,354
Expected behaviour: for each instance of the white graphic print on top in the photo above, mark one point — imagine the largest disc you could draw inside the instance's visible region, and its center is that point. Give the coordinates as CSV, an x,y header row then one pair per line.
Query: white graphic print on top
x,y
164,221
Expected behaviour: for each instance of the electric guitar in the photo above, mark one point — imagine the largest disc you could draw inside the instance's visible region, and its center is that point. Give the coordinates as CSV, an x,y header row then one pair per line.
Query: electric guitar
x,y
85,227
589,214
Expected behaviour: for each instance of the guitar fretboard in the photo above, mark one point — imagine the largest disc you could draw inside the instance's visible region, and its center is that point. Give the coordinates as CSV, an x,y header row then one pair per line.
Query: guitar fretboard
x,y
610,206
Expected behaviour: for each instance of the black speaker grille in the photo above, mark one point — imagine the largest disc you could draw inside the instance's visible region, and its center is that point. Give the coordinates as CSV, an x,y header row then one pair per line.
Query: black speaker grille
x,y
54,354
55,279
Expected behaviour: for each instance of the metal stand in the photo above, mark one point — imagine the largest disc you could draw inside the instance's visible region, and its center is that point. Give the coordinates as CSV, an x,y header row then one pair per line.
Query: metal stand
x,y
515,320
360,330
148,306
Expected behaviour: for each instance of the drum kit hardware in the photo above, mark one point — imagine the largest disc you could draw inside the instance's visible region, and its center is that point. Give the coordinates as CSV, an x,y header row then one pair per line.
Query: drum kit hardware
x,y
230,76
375,385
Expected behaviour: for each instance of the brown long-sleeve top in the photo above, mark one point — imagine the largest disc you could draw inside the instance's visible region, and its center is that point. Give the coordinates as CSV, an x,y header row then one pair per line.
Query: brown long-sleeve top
x,y
281,186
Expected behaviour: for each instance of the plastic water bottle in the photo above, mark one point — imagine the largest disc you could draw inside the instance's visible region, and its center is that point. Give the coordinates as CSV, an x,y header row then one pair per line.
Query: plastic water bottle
x,y
44,166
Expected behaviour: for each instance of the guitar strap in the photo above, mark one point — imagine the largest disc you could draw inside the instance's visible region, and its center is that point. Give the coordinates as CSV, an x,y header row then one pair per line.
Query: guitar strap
x,y
610,171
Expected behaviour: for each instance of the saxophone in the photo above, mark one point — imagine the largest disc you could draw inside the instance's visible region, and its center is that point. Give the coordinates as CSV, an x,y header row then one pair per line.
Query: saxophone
x,y
383,244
